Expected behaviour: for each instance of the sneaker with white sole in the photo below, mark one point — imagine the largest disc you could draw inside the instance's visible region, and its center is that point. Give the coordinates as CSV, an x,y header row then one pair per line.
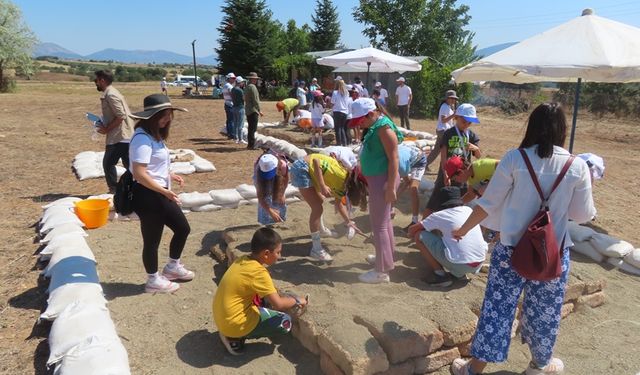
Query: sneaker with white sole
x,y
160,284
328,233
176,271
374,277
321,255
371,259
233,346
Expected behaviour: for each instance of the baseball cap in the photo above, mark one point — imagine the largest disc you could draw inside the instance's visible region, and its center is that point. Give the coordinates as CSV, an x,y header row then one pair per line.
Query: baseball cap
x,y
401,79
230,76
468,112
453,165
360,108
338,78
314,80
239,79
267,165
378,84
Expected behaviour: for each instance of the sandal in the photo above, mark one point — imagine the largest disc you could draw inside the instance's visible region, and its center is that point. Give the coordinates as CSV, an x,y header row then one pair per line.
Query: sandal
x,y
555,366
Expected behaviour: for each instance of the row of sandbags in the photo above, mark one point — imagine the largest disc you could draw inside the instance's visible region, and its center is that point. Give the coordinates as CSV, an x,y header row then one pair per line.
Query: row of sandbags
x,y
83,338
215,200
88,164
604,248
292,151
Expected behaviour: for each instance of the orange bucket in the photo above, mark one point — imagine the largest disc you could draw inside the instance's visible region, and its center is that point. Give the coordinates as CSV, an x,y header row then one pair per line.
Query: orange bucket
x,y
304,123
94,213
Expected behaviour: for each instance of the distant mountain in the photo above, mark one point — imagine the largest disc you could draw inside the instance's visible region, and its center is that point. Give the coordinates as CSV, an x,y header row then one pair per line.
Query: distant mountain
x,y
123,56
52,49
493,49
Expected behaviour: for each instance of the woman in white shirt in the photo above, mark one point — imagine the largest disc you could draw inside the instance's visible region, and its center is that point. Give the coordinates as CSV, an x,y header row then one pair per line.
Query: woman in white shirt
x,y
340,103
153,201
510,202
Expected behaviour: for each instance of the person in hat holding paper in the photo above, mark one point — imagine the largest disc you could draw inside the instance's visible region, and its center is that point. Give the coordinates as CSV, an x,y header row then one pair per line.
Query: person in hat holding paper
x,y
252,108
445,122
117,127
439,249
403,102
228,103
379,162
153,200
271,177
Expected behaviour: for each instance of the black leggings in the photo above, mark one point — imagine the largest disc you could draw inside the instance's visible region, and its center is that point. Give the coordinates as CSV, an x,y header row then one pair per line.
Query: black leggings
x,y
343,138
156,211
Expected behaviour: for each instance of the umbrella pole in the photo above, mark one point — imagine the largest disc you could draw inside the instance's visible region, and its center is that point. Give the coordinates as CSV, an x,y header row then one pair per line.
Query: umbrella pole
x,y
575,115
366,84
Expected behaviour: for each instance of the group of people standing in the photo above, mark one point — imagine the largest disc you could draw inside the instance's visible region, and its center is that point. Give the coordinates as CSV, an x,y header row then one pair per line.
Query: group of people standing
x,y
448,236
241,100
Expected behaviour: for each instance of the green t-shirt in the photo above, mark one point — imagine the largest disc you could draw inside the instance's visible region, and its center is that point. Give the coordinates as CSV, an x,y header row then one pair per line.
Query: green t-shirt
x,y
289,104
373,158
482,170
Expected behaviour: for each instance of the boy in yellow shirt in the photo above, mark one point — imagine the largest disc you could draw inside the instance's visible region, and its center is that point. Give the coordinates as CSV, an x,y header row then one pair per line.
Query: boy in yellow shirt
x,y
246,283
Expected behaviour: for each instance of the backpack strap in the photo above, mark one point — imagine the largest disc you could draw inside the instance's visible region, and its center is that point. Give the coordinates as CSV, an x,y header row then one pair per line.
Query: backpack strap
x,y
564,170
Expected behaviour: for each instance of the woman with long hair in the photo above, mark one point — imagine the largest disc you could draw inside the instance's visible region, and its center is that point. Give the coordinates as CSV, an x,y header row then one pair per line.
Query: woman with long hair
x,y
510,201
340,104
153,200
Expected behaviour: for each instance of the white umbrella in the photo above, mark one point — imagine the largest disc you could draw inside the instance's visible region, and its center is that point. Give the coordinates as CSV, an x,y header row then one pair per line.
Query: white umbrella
x,y
371,60
589,47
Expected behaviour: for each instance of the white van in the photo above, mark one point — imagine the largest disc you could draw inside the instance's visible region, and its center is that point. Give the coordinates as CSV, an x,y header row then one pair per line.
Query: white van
x,y
191,80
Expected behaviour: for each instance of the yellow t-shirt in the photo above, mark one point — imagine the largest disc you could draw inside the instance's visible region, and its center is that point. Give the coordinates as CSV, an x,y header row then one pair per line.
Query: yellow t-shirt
x,y
483,169
233,309
333,173
290,103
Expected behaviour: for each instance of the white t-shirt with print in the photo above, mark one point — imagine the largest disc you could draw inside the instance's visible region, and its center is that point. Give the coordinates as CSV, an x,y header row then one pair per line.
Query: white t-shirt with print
x,y
144,149
403,93
471,248
446,111
226,94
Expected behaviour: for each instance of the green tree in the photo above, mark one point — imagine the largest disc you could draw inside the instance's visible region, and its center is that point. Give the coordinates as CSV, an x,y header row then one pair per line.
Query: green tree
x,y
325,33
296,39
249,39
16,44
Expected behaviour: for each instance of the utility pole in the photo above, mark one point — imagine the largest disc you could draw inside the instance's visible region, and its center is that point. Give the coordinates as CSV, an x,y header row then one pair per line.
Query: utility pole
x,y
195,72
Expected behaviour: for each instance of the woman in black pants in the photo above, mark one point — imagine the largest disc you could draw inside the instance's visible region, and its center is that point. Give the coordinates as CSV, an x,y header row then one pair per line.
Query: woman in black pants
x,y
340,102
153,200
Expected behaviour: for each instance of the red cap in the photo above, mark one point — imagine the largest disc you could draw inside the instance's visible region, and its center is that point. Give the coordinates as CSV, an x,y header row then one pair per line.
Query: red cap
x,y
453,165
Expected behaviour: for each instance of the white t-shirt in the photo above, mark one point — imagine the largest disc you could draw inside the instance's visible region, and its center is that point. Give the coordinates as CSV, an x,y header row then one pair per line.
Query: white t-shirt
x,y
163,84
343,154
384,94
302,96
446,111
349,104
340,102
226,94
317,110
403,93
471,248
144,149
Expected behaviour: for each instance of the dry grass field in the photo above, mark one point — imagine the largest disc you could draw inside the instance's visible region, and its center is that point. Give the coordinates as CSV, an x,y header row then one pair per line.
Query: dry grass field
x,y
42,127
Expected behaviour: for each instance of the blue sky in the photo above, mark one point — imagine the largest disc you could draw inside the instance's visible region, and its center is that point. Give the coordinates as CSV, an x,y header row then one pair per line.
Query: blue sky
x,y
87,26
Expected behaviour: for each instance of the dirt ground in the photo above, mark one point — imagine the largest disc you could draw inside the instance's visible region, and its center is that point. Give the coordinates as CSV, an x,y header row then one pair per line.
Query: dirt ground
x,y
42,127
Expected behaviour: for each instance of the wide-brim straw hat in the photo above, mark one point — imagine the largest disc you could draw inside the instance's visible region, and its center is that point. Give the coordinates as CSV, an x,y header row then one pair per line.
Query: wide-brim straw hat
x,y
253,75
154,104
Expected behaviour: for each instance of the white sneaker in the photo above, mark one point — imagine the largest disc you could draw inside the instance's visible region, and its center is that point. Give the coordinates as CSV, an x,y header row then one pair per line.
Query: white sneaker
x,y
176,271
321,255
371,259
326,233
374,277
244,142
160,284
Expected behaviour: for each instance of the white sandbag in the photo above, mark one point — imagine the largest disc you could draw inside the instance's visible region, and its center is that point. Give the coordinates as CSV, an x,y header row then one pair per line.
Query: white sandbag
x,y
254,201
59,299
628,268
182,168
95,356
64,240
69,228
298,154
579,232
247,191
182,155
194,199
225,197
633,258
84,163
202,165
57,219
89,172
292,200
585,248
85,155
206,208
426,184
114,216
291,191
258,142
61,253
55,210
75,324
66,201
73,270
610,246
120,170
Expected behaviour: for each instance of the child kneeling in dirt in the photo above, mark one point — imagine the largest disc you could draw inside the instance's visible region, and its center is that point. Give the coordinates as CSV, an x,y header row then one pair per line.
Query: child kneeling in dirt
x,y
439,249
238,309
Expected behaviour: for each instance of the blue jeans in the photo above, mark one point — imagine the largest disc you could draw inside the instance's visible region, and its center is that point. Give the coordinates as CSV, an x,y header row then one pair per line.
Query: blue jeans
x,y
540,310
238,123
228,111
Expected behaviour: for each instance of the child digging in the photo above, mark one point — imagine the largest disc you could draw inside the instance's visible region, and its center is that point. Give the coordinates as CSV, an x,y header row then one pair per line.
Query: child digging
x,y
246,283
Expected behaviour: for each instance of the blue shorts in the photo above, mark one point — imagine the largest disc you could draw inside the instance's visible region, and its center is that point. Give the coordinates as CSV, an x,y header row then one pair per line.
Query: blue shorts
x,y
436,247
299,173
